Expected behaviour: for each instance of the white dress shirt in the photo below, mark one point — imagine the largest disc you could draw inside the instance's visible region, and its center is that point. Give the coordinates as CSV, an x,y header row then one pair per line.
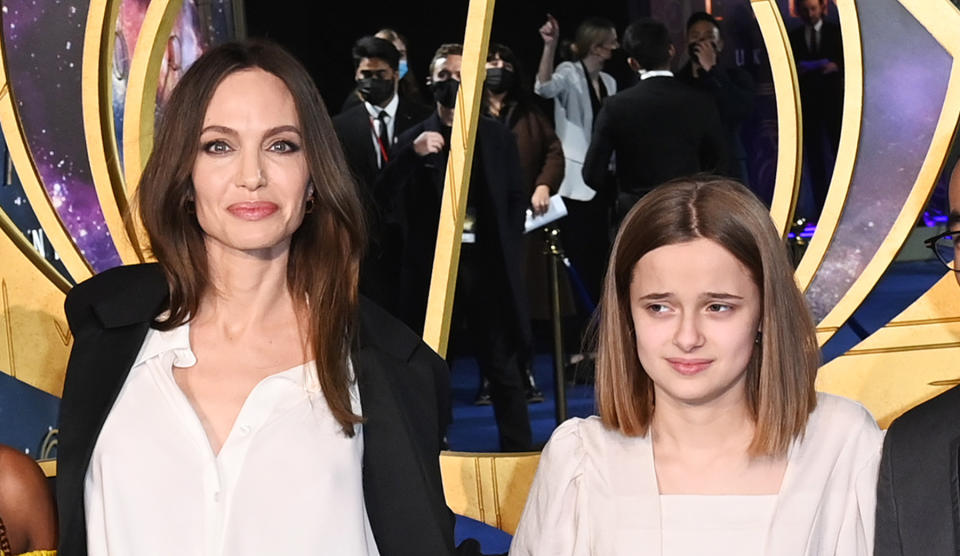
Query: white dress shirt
x,y
286,481
374,113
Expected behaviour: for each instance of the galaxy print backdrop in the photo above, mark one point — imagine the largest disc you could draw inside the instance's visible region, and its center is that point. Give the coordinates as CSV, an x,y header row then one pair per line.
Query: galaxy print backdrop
x,y
48,184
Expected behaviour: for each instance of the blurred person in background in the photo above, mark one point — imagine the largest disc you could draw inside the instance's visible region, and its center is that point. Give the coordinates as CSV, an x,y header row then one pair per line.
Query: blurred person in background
x,y
28,518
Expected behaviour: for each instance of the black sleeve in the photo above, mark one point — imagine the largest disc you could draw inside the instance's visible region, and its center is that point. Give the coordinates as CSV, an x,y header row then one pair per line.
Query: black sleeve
x,y
734,91
601,148
713,149
887,537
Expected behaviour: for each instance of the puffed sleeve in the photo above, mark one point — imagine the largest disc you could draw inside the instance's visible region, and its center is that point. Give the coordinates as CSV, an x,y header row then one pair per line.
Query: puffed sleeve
x,y
857,530
551,523
560,82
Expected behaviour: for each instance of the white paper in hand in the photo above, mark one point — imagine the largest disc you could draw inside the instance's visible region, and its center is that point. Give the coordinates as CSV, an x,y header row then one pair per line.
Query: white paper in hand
x,y
555,211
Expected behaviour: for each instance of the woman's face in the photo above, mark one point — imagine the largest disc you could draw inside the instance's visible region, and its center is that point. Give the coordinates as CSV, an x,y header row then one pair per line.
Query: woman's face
x,y
696,312
250,177
605,48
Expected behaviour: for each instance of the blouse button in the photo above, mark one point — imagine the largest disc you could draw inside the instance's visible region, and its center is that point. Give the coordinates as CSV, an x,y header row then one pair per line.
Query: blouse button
x,y
245,429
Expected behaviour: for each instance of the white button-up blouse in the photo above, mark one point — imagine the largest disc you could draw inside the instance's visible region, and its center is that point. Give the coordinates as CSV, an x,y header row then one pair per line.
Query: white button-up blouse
x,y
286,481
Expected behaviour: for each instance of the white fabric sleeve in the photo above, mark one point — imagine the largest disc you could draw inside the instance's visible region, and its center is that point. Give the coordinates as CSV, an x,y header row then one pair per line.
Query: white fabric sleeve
x,y
560,82
551,524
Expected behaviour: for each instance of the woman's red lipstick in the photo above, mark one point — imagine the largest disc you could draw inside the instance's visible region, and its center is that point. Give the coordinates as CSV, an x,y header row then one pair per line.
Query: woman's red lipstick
x,y
688,367
253,210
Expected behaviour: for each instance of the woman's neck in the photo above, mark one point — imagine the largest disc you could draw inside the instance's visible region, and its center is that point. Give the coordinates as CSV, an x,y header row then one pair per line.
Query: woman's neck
x,y
496,102
720,426
248,289
593,64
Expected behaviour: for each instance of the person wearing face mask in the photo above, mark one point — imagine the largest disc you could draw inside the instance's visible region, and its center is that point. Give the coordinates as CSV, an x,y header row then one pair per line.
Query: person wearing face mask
x,y
490,300
407,87
578,88
541,158
681,131
367,133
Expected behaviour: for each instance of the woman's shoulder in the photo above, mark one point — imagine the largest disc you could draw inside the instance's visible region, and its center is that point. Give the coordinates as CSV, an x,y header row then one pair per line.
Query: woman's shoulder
x,y
837,411
839,425
578,438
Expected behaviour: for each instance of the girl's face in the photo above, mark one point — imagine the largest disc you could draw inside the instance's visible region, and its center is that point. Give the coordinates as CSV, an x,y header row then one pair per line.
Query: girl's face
x,y
696,314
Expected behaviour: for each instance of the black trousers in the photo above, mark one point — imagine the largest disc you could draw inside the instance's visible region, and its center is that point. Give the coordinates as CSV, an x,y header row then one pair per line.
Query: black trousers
x,y
482,310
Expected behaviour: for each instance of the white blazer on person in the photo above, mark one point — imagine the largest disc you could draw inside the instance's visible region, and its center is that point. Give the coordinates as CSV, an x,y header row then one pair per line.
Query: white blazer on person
x,y
573,117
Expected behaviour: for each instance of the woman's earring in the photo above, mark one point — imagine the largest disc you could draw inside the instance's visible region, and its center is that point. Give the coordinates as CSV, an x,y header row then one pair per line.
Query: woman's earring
x,y
759,337
311,202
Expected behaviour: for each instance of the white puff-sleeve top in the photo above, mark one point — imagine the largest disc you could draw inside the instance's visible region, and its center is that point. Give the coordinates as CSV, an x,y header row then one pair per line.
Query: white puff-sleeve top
x,y
595,493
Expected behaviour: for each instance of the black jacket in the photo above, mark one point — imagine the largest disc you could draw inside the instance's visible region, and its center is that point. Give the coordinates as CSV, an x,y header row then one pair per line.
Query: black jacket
x,y
660,129
404,386
918,494
413,187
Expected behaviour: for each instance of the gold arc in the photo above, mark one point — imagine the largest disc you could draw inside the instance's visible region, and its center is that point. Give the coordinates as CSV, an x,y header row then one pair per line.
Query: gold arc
x,y
923,186
789,125
897,349
436,330
30,253
98,126
37,196
5,305
849,147
140,104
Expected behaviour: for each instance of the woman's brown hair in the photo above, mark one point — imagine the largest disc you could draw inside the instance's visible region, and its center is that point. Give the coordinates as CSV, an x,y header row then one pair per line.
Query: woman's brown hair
x,y
324,251
780,375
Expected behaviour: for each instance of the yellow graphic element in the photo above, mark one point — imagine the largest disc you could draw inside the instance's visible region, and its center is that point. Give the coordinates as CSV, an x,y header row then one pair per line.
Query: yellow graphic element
x,y
491,488
789,127
37,196
849,144
934,16
908,361
98,126
453,206
140,105
32,345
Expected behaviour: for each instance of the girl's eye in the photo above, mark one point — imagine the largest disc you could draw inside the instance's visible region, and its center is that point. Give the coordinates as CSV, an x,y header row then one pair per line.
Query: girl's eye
x,y
719,307
657,308
284,147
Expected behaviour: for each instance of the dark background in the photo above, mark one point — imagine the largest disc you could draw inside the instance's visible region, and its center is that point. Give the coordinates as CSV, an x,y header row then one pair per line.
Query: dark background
x,y
323,43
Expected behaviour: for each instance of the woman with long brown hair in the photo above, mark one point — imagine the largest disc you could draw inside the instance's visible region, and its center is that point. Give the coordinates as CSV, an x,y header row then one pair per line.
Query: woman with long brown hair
x,y
237,397
710,438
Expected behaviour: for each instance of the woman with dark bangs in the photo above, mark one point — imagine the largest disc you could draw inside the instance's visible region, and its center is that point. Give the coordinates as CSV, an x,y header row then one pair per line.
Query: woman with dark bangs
x,y
238,397
710,438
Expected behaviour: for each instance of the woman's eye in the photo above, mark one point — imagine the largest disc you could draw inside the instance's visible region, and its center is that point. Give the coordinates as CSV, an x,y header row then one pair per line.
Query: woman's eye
x,y
284,147
216,147
719,308
657,308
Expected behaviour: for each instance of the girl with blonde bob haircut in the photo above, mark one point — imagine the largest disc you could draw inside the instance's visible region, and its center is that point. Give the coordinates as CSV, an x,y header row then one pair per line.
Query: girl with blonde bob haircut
x,y
710,437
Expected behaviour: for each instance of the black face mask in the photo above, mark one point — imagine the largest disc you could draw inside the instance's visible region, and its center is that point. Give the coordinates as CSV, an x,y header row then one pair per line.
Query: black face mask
x,y
445,92
499,80
375,91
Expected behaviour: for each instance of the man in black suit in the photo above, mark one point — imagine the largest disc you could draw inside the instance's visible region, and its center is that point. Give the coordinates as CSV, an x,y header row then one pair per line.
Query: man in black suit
x,y
490,289
731,87
367,133
918,501
818,50
659,129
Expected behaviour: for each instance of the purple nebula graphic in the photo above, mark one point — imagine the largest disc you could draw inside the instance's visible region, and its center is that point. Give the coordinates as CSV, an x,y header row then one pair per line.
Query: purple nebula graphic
x,y
43,44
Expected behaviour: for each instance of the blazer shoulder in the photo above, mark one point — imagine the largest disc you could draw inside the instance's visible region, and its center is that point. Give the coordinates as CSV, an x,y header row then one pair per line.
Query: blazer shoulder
x,y
119,296
378,329
348,117
933,418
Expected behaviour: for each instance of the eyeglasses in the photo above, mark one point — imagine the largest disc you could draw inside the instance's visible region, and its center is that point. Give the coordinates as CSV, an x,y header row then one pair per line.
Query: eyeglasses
x,y
944,247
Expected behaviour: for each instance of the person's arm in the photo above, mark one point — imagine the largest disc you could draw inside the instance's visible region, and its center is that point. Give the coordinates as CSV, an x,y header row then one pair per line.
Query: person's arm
x,y
713,149
26,503
551,173
601,148
550,33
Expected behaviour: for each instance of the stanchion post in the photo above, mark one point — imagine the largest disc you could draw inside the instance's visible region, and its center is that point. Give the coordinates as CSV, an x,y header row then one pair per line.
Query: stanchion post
x,y
554,260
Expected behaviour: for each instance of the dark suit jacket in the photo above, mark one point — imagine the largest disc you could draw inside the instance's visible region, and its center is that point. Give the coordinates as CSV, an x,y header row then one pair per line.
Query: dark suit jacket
x,y
403,384
821,95
413,187
660,129
353,129
918,501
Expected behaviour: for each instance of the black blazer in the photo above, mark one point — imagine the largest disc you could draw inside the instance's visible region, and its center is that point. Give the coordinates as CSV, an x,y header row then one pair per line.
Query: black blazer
x,y
353,129
404,386
918,494
660,129
413,188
